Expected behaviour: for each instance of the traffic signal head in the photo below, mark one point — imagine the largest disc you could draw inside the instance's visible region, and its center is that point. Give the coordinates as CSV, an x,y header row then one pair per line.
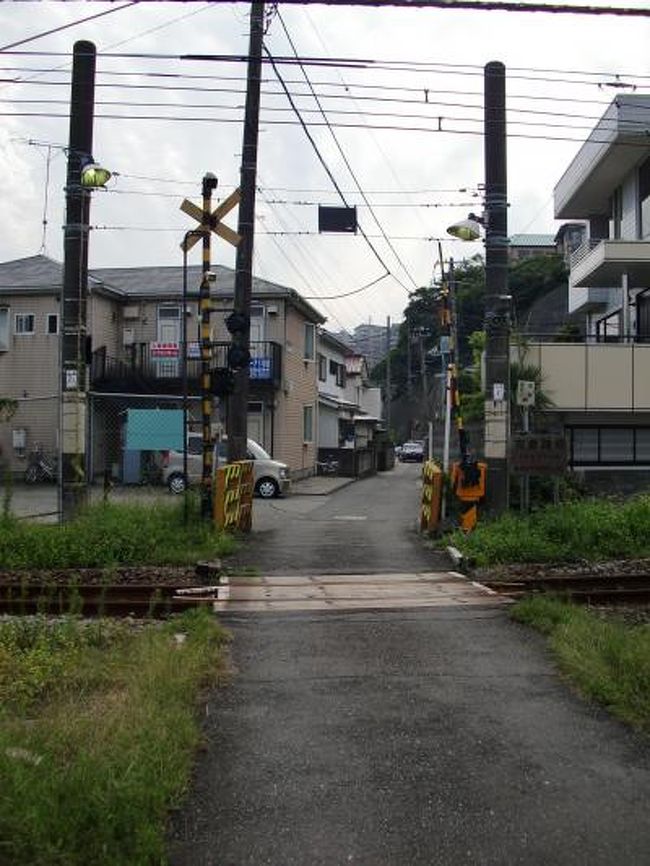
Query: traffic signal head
x,y
238,357
237,323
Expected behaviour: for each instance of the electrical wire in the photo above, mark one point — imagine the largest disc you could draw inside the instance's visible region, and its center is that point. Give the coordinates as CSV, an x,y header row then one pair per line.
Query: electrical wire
x,y
642,143
344,156
5,48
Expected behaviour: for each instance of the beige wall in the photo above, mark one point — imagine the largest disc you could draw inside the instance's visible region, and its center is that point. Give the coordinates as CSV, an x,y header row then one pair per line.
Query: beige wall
x,y
104,316
299,389
594,376
29,374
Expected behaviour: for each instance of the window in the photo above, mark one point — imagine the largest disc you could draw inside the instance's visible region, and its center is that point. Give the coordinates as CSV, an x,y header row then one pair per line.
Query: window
x,y
644,199
24,323
610,446
169,312
308,423
322,368
340,375
4,329
616,213
52,326
310,342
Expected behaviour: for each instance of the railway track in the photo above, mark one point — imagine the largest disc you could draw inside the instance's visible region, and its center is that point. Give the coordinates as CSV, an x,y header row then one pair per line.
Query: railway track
x,y
119,600
584,588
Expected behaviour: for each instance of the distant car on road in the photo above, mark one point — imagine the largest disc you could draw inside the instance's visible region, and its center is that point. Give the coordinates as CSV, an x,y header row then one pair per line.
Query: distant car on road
x,y
412,452
271,477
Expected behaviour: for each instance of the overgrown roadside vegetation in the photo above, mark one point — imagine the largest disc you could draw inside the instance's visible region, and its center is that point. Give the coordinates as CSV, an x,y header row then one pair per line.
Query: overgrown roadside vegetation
x,y
606,659
586,530
98,726
108,534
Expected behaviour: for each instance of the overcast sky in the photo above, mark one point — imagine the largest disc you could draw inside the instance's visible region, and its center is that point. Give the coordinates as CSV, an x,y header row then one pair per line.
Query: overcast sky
x,y
563,65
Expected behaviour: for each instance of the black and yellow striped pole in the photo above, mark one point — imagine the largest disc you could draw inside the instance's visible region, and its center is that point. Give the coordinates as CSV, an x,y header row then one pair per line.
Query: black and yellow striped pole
x,y
209,184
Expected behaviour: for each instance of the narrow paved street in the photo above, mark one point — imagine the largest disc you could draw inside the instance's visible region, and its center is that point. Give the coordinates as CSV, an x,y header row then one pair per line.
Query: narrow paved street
x,y
397,734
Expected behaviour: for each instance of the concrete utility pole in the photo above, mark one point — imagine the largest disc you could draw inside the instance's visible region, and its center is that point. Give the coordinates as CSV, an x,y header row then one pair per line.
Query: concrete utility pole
x,y
74,334
237,420
497,299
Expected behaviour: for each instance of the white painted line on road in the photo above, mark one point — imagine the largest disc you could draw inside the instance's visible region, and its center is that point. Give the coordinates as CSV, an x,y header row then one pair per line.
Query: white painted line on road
x,y
350,517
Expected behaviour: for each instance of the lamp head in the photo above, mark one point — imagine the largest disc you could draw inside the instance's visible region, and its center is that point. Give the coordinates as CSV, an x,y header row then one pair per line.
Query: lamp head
x,y
93,175
467,230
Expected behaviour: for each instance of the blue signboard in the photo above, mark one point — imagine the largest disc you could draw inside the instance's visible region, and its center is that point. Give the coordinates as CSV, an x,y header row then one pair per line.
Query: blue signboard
x,y
260,368
154,429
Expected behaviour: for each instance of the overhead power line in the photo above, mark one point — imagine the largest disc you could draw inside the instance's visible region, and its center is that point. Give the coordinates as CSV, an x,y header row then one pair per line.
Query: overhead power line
x,y
344,157
5,48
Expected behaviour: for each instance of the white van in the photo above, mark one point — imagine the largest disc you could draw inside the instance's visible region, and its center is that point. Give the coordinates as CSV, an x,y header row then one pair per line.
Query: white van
x,y
271,477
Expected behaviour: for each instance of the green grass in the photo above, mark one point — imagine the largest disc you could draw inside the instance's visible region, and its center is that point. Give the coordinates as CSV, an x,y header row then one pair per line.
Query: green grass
x,y
107,535
591,530
607,660
98,730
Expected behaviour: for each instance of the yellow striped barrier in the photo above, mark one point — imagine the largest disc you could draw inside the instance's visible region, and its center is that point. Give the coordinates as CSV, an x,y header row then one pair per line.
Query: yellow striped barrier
x,y
233,496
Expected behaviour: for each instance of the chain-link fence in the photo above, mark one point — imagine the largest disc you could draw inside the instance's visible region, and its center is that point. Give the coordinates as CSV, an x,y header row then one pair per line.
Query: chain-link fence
x,y
29,436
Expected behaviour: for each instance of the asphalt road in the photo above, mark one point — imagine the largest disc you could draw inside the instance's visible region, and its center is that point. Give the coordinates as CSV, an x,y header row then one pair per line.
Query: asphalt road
x,y
369,526
437,736
396,738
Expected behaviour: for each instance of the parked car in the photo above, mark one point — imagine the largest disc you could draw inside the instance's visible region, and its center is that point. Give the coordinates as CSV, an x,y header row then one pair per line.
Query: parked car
x,y
412,452
271,476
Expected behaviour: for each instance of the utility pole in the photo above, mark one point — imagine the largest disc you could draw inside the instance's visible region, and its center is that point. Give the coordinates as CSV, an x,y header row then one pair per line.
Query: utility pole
x,y
497,299
74,331
237,420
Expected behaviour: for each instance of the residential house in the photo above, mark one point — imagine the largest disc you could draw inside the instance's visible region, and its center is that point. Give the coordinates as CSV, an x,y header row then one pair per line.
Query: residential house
x,y
599,385
135,330
525,246
349,409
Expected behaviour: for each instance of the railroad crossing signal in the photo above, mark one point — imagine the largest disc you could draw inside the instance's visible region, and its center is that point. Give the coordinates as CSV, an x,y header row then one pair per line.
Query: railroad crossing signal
x,y
214,223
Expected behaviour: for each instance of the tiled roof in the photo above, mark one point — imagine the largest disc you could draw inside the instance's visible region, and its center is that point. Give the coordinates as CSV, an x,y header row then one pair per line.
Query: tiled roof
x,y
37,273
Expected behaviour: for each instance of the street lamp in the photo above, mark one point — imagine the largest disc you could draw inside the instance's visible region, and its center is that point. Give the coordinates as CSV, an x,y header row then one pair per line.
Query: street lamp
x,y
467,230
93,175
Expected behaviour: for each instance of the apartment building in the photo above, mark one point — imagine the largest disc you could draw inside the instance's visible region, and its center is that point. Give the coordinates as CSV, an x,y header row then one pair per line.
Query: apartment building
x,y
134,356
599,386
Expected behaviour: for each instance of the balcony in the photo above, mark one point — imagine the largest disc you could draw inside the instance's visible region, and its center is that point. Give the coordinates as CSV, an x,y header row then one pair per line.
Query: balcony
x,y
601,264
155,368
587,377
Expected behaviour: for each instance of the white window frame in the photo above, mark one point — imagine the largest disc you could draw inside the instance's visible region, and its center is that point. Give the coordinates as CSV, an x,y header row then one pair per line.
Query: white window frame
x,y
49,316
308,412
5,329
310,342
21,332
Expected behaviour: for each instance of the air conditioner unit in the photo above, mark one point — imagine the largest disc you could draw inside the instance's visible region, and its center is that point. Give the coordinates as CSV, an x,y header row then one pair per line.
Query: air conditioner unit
x,y
272,310
128,337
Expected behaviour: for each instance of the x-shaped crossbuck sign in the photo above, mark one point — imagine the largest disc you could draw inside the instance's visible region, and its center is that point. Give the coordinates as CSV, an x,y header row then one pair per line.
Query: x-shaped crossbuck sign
x,y
214,220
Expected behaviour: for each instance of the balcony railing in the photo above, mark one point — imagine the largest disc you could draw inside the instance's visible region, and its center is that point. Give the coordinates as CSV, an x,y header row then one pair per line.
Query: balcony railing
x,y
156,367
582,252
